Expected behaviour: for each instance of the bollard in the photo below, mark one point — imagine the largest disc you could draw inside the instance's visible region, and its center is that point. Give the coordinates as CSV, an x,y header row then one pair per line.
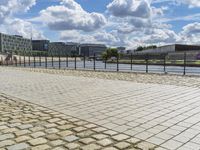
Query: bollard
x,y
185,57
94,62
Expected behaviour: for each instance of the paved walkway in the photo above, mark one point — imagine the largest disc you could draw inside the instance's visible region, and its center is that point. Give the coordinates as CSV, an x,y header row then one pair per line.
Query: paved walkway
x,y
165,115
25,126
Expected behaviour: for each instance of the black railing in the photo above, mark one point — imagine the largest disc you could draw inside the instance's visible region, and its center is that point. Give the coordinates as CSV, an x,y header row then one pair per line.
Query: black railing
x,y
130,63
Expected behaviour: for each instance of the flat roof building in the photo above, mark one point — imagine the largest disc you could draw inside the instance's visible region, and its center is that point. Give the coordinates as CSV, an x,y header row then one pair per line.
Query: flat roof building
x,y
63,49
40,45
14,43
171,48
91,49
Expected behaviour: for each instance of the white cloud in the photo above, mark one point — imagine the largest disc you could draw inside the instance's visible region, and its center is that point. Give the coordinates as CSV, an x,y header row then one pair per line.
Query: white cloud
x,y
23,28
132,8
190,33
10,7
70,15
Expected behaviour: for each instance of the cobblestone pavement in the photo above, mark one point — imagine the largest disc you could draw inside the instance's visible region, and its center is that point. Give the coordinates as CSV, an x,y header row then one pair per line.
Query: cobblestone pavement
x,y
26,126
165,115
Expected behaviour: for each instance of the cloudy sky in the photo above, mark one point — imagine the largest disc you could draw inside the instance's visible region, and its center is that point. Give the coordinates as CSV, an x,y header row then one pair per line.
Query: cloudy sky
x,y
127,23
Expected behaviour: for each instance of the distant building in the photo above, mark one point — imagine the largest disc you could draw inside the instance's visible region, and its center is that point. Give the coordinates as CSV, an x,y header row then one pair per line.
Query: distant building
x,y
171,48
40,45
14,43
63,49
121,50
91,49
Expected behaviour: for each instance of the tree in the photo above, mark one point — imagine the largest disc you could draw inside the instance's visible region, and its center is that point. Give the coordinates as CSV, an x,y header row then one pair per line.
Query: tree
x,y
110,52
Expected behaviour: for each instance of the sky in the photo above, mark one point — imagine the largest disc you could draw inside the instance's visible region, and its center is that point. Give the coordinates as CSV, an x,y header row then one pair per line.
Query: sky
x,y
128,23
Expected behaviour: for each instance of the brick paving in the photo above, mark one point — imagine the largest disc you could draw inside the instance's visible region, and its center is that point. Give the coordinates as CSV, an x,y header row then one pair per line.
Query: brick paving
x,y
163,115
27,126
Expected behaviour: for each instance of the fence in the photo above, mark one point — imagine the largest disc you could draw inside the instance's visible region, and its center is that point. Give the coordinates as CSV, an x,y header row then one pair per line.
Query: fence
x,y
151,63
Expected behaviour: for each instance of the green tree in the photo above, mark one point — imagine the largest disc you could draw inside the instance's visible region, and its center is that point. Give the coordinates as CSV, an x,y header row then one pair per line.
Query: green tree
x,y
110,52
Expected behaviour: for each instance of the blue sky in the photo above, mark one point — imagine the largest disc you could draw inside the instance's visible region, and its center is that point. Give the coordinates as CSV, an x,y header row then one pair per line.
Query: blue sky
x,y
127,23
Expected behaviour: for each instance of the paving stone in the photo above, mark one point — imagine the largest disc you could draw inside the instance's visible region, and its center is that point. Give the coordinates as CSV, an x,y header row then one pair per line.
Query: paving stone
x,y
105,142
99,136
37,134
91,147
71,138
145,145
57,143
6,143
20,146
22,139
86,133
120,137
122,145
87,140
65,133
72,145
22,132
51,130
133,140
65,127
6,136
25,126
52,137
37,141
110,148
79,129
41,147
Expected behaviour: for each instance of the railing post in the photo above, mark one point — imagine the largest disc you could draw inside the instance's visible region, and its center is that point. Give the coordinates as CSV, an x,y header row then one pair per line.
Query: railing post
x,y
24,59
66,60
147,64
52,60
11,59
131,61
16,62
117,62
40,59
185,57
59,61
105,63
34,60
164,63
1,60
94,62
20,63
75,62
84,60
29,59
46,61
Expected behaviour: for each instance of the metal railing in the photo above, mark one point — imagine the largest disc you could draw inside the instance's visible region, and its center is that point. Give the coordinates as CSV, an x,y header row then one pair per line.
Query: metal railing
x,y
127,63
